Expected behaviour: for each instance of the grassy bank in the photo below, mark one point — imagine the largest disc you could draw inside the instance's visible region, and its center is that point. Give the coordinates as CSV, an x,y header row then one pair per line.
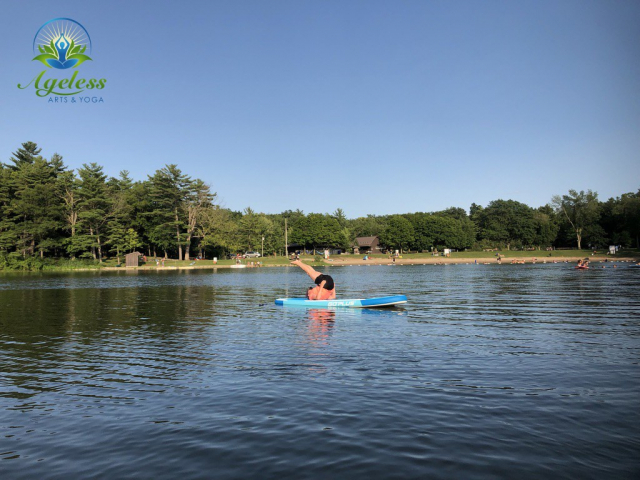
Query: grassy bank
x,y
518,254
34,264
14,263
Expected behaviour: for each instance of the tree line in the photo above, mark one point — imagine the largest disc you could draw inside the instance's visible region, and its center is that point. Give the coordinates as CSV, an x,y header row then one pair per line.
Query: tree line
x,y
49,210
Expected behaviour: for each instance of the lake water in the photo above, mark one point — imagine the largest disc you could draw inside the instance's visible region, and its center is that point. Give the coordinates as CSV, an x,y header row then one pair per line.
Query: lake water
x,y
526,371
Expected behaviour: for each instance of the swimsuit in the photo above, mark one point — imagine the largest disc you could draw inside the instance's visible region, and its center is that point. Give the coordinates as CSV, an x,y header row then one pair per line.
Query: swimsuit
x,y
329,285
328,292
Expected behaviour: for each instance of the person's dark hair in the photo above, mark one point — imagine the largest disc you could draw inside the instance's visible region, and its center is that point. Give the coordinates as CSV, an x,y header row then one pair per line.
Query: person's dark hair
x,y
329,285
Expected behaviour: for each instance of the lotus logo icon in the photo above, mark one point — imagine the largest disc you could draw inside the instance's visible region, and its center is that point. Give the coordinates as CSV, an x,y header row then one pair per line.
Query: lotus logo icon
x,y
62,43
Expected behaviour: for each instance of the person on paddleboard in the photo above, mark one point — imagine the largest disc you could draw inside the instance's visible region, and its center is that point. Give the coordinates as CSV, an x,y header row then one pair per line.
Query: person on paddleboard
x,y
325,289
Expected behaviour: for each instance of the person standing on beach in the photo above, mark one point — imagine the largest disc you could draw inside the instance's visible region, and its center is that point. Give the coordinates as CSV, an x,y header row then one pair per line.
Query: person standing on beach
x,y
325,288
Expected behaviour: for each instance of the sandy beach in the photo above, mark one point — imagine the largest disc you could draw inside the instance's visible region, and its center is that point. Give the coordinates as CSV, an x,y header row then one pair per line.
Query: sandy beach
x,y
600,260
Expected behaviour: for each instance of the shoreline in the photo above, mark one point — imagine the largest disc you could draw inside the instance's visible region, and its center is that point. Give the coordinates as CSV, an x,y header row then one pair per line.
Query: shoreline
x,y
399,261
350,262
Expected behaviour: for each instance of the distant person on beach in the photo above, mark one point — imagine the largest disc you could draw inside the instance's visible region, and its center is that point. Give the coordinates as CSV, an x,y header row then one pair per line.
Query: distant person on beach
x,y
325,288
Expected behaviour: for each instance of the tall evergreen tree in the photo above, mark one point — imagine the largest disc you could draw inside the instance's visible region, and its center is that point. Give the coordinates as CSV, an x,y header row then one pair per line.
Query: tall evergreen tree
x,y
198,198
7,230
168,189
120,235
25,155
35,208
68,192
94,207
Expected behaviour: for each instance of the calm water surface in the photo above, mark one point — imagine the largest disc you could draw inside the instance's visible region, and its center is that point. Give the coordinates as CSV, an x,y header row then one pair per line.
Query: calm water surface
x,y
488,372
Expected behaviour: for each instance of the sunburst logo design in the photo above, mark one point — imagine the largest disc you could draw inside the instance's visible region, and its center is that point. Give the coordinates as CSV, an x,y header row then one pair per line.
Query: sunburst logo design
x,y
61,43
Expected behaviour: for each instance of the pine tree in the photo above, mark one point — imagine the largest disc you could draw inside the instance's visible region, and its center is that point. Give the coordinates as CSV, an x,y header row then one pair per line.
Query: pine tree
x,y
34,207
25,155
168,189
68,191
93,208
198,198
120,219
7,230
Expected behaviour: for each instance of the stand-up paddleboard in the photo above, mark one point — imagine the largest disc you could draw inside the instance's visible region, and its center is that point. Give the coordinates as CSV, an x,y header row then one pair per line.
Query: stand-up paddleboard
x,y
349,303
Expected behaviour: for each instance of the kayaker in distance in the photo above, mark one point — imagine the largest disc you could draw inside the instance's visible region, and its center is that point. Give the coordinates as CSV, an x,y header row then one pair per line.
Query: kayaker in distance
x,y
325,288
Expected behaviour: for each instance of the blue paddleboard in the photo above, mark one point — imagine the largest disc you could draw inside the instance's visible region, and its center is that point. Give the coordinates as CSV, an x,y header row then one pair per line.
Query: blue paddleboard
x,y
346,302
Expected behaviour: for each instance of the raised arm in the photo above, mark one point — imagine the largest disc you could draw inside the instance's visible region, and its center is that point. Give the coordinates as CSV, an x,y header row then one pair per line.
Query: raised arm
x,y
320,287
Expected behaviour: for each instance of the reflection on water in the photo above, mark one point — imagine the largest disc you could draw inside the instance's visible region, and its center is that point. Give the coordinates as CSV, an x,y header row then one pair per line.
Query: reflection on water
x,y
320,326
488,371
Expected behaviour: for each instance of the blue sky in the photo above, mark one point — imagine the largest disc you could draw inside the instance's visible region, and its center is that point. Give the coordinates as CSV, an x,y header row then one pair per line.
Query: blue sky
x,y
369,106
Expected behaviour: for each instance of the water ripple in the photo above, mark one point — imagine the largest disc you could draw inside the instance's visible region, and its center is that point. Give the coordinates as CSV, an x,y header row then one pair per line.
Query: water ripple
x,y
488,372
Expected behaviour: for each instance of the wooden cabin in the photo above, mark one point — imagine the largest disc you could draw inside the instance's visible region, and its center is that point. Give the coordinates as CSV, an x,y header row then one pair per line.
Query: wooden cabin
x,y
367,245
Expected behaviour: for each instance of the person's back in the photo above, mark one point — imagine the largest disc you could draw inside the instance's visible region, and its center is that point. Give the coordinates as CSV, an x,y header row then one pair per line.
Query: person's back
x,y
319,293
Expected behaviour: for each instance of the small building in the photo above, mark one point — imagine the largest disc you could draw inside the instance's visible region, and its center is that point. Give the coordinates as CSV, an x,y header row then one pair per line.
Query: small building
x,y
131,259
367,245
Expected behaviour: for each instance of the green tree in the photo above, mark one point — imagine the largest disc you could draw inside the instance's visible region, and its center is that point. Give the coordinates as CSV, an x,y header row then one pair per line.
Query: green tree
x,y
7,226
122,239
508,223
546,226
425,230
168,190
248,229
25,156
318,230
442,230
340,217
93,208
595,236
368,226
628,209
197,199
142,219
120,233
217,229
398,234
34,206
581,210
68,193
462,234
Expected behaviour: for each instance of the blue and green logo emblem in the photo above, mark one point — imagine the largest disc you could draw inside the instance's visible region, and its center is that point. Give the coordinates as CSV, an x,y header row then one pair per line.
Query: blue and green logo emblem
x,y
62,43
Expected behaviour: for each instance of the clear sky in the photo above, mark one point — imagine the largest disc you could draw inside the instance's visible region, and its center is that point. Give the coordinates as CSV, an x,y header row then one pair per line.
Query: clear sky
x,y
370,106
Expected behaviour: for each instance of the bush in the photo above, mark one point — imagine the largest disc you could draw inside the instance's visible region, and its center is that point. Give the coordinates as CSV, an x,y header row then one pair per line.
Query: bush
x,y
15,261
